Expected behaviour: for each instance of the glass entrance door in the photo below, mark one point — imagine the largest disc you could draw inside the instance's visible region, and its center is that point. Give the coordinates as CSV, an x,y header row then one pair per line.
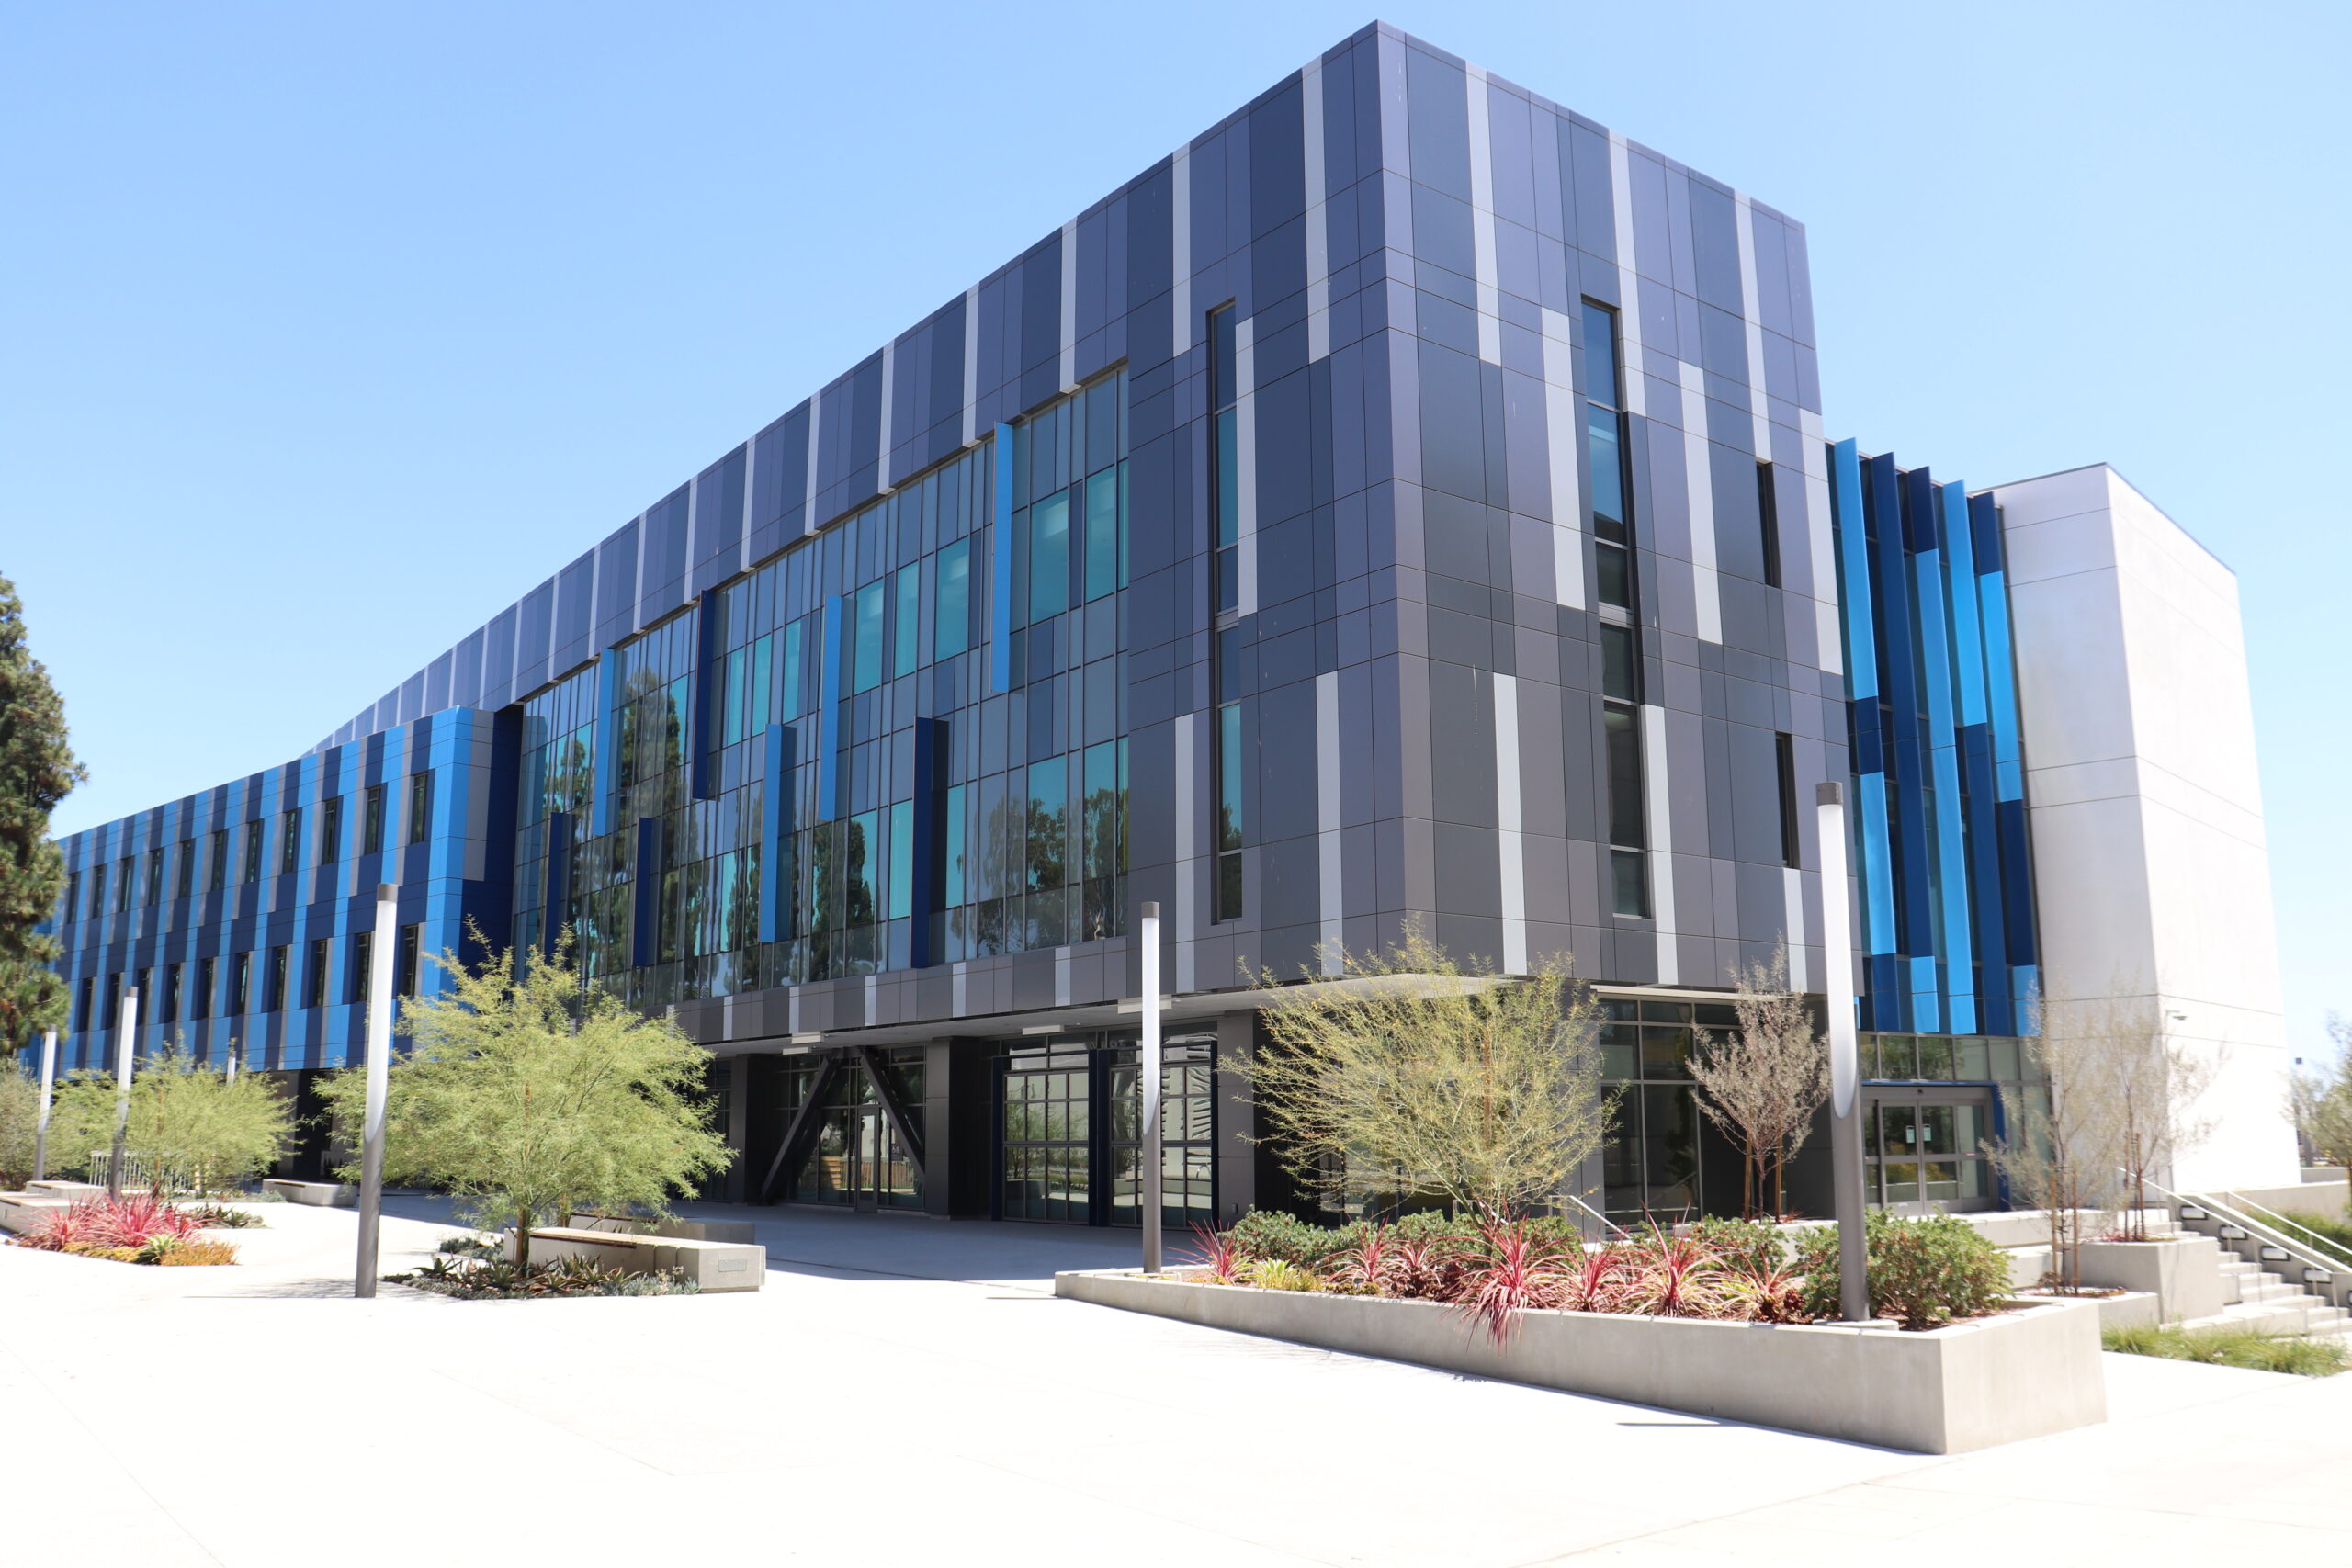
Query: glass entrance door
x,y
1924,1147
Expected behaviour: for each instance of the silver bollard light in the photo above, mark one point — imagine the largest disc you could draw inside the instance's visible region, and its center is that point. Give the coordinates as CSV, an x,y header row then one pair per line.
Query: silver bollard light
x,y
379,1053
1148,1066
1845,1065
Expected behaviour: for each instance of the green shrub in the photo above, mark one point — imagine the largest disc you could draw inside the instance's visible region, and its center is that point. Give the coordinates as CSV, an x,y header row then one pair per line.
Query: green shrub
x,y
1263,1237
1924,1273
2231,1348
1748,1245
1280,1276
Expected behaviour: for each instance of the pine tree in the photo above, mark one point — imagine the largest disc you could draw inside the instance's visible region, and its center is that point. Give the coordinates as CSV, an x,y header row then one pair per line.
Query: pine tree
x,y
37,769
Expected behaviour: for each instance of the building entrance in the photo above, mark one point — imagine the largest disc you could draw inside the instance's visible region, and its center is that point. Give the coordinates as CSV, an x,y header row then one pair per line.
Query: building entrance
x,y
1924,1144
1070,1133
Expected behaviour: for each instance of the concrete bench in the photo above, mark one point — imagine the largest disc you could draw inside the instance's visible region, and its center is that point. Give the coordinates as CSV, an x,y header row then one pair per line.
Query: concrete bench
x,y
712,1265
68,1190
317,1194
23,1212
736,1231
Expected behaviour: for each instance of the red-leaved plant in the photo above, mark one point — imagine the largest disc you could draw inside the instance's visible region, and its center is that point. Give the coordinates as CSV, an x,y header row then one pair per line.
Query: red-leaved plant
x,y
131,1223
1674,1276
1517,1270
1369,1267
1596,1283
1767,1293
1428,1268
1219,1258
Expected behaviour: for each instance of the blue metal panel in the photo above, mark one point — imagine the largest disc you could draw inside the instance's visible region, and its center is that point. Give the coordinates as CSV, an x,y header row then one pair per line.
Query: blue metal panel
x,y
1878,864
833,674
645,888
775,817
1853,570
608,741
1967,627
710,689
1000,568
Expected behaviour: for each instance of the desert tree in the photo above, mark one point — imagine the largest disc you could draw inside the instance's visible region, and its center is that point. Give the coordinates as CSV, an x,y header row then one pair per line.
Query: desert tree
x,y
191,1124
528,1095
2320,1101
2060,1150
37,771
1763,1083
1407,1072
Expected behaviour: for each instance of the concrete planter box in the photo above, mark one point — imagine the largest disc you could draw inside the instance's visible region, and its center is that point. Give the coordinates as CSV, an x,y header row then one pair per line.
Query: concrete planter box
x,y
317,1194
740,1233
1995,1381
712,1265
2183,1274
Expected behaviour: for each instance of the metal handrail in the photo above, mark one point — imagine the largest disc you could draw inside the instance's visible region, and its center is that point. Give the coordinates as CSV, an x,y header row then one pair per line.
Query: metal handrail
x,y
2260,1232
1597,1214
2325,1244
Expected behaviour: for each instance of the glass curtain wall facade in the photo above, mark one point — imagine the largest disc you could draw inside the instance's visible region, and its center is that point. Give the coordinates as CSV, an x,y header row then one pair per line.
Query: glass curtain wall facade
x,y
1406,503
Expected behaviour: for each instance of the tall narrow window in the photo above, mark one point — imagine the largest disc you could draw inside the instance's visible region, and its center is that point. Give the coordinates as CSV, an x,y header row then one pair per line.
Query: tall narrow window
x,y
251,870
411,957
1784,762
98,889
73,905
362,942
866,663
1103,532
201,999
314,986
184,883
1629,879
215,872
952,626
170,1011
420,808
1225,457
153,893
282,962
1768,522
124,870
1612,517
290,841
372,822
241,985
906,621
82,1004
1230,811
1621,670
1049,556
331,831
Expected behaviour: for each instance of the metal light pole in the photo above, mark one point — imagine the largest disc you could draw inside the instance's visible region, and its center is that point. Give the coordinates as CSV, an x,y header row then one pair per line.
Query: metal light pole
x,y
379,1053
48,1086
1845,1066
126,1041
1149,1063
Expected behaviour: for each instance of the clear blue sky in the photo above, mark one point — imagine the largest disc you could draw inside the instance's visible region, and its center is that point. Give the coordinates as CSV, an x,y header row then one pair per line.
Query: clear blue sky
x,y
330,329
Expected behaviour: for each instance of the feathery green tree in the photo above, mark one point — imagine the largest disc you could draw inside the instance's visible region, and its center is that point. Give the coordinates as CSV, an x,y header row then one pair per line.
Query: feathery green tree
x,y
37,771
191,1125
1411,1073
529,1096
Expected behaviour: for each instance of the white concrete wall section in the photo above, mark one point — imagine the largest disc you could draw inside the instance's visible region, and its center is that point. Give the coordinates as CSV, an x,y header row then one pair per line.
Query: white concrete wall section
x,y
2151,866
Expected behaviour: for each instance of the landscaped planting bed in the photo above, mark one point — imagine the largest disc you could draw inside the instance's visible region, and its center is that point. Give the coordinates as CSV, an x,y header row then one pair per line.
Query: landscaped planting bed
x,y
140,1230
1721,1320
471,1269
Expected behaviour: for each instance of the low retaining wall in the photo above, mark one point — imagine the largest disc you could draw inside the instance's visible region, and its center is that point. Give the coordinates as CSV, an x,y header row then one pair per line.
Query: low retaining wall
x,y
2183,1274
2326,1199
740,1232
1997,1379
23,1212
317,1194
712,1265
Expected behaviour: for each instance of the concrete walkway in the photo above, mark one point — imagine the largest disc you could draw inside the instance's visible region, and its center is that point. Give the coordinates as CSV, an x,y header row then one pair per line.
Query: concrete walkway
x,y
906,1391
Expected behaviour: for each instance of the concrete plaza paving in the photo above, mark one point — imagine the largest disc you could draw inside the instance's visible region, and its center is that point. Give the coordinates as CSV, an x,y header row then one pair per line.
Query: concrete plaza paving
x,y
907,1390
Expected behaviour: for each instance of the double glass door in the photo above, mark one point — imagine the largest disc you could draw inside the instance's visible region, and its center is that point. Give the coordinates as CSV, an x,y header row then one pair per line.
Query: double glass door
x,y
1925,1147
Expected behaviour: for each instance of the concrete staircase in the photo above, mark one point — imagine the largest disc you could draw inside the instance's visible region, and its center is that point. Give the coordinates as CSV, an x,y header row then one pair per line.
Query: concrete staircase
x,y
2263,1287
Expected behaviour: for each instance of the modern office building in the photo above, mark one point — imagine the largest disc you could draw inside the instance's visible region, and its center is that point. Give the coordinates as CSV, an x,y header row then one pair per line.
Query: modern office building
x,y
1406,502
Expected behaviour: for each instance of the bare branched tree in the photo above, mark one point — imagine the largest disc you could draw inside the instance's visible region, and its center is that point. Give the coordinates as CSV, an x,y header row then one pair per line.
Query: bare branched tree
x,y
2158,1084
2319,1099
1408,1072
2062,1149
1763,1084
